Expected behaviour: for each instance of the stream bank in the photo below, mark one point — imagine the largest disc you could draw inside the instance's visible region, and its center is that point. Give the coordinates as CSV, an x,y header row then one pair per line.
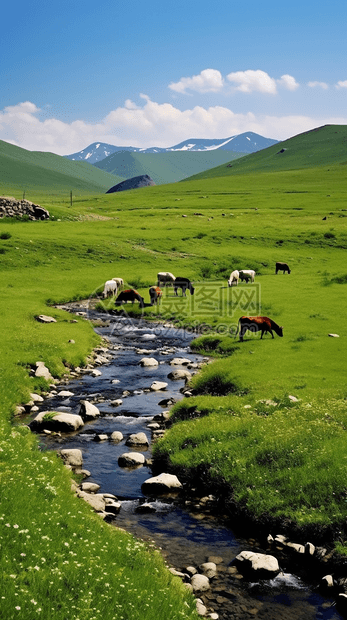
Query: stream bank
x,y
188,533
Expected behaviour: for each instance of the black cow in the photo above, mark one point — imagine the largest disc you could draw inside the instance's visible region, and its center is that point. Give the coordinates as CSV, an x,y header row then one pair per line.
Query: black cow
x,y
184,284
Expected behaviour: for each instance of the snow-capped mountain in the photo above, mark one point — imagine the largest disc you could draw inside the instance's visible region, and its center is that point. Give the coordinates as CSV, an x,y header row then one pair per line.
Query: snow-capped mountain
x,y
248,142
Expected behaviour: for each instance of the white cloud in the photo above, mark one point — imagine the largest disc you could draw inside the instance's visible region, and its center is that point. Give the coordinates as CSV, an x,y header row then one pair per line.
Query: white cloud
x,y
323,85
341,84
152,124
288,82
209,80
249,81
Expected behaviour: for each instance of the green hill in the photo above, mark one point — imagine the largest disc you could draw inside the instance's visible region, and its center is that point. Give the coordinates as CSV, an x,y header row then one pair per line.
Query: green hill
x,y
164,167
319,147
27,170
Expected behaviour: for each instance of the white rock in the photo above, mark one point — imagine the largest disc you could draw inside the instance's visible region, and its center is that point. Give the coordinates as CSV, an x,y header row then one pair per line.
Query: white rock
x,y
36,398
43,318
90,487
96,373
72,456
131,459
260,565
117,402
176,375
162,483
116,436
65,393
137,439
101,437
200,583
179,361
209,569
42,371
148,362
158,385
56,421
334,335
88,411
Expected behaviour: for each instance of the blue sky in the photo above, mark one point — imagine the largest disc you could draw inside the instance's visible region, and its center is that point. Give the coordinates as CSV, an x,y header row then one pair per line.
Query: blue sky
x,y
154,73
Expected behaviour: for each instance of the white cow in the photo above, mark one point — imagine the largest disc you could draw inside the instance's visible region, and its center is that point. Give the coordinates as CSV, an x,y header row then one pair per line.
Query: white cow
x,y
165,278
247,274
119,281
234,278
110,289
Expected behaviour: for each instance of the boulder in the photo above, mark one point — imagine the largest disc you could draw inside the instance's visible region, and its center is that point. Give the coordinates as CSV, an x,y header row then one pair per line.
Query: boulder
x,y
43,318
90,487
148,362
56,421
117,402
158,385
65,394
42,371
209,569
72,457
180,361
164,483
96,500
200,583
131,459
137,439
116,436
257,565
176,375
88,411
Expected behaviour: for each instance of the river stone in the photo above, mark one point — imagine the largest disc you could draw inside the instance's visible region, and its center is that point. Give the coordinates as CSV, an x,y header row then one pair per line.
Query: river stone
x,y
148,361
200,583
90,487
296,547
60,421
113,507
209,569
327,582
341,603
88,411
101,437
158,385
175,375
117,402
201,609
72,457
137,439
65,393
96,373
257,565
179,361
131,459
116,436
96,500
164,483
36,398
42,371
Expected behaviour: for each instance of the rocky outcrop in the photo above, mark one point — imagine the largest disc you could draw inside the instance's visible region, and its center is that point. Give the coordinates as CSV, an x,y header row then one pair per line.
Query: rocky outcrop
x,y
10,207
134,183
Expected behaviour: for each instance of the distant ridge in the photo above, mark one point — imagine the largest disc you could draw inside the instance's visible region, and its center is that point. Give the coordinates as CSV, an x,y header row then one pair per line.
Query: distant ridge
x,y
248,142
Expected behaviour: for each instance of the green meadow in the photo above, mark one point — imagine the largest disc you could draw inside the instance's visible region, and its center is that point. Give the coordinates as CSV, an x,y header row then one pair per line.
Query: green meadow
x,y
274,455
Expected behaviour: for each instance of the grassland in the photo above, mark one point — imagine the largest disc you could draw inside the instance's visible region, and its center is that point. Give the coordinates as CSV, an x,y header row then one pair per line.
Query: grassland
x,y
280,457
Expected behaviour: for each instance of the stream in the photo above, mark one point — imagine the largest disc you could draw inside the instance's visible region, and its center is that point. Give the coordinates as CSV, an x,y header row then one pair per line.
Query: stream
x,y
185,537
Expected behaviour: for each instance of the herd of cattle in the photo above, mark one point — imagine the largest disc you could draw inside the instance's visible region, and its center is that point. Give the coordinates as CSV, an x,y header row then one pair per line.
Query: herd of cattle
x,y
165,278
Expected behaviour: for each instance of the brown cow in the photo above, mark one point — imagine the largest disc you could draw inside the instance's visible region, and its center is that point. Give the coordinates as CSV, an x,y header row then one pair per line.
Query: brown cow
x,y
155,294
256,324
129,295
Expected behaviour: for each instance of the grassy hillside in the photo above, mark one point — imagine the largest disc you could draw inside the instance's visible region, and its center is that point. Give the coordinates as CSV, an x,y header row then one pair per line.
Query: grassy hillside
x,y
164,167
322,146
23,170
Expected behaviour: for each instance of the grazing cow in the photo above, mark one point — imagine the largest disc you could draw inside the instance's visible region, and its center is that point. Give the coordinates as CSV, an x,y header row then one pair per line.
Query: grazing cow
x,y
256,324
129,295
247,274
282,267
234,278
165,278
184,284
155,294
120,282
110,289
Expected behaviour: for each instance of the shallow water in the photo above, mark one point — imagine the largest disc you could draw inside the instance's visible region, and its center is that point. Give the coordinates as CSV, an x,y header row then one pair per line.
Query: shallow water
x,y
186,538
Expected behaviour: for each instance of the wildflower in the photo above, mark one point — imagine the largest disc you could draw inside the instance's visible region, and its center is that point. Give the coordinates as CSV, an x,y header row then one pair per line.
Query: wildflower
x,y
36,567
16,526
33,601
17,607
23,554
